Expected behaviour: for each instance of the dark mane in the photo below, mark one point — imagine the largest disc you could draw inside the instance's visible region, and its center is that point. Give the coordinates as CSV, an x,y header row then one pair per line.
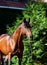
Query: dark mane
x,y
20,23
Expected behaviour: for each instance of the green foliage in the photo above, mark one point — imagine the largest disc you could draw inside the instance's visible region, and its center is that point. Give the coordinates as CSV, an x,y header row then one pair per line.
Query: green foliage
x,y
37,14
10,30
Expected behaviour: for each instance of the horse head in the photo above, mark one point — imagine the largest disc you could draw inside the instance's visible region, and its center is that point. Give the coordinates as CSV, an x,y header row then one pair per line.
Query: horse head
x,y
26,28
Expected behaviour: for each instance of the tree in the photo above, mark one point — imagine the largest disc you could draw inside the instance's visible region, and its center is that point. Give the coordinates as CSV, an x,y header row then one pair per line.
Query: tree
x,y
37,13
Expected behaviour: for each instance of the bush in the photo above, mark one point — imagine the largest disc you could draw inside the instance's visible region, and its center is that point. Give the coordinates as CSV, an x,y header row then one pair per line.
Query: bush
x,y
37,14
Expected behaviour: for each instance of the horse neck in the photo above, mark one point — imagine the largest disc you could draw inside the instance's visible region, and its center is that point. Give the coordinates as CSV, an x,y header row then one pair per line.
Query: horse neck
x,y
17,36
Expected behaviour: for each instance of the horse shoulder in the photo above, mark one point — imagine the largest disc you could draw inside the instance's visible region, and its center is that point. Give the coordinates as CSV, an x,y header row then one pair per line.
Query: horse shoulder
x,y
11,44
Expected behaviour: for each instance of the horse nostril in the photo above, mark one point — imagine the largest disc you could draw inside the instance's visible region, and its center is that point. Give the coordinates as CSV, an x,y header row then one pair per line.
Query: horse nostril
x,y
30,37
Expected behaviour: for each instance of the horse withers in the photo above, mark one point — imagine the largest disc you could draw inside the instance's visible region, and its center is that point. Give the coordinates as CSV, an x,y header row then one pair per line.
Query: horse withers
x,y
13,45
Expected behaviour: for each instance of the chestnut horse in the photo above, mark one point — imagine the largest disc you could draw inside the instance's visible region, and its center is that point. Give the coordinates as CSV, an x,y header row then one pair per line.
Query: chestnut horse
x,y
12,44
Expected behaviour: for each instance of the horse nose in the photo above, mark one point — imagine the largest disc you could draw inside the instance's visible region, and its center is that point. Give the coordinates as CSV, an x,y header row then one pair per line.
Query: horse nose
x,y
31,37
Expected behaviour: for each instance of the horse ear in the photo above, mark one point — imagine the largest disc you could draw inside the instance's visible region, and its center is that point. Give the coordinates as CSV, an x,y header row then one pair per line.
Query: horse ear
x,y
24,20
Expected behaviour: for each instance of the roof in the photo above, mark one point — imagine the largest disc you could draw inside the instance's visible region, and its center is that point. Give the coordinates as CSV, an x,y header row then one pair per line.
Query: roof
x,y
12,5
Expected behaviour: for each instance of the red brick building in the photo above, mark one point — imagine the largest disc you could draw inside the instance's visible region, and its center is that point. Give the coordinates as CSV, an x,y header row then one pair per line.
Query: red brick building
x,y
13,4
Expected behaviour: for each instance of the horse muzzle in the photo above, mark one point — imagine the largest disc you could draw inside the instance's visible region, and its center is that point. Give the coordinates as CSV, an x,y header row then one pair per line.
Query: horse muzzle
x,y
31,37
